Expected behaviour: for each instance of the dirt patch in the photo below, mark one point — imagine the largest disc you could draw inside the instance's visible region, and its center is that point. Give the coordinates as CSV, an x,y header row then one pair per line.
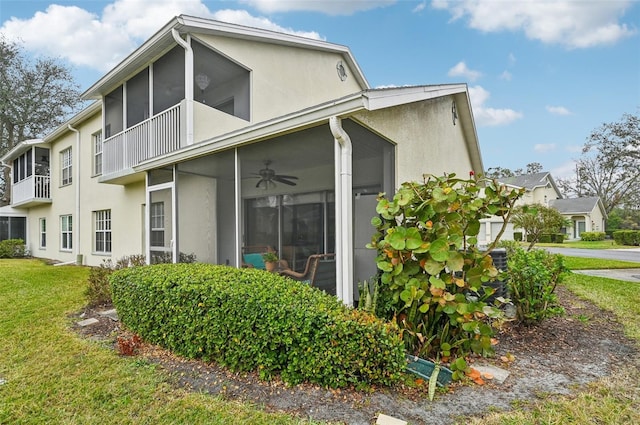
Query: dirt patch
x,y
554,357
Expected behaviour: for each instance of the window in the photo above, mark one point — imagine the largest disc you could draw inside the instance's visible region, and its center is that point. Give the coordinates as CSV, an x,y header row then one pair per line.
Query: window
x,y
66,162
43,233
13,228
157,224
66,232
103,231
23,166
97,154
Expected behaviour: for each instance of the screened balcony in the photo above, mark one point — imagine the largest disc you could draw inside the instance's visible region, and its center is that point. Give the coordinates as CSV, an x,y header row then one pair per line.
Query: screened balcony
x,y
155,113
31,181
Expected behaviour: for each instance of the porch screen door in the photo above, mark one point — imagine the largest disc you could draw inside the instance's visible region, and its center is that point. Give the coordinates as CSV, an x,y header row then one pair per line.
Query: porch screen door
x,y
161,224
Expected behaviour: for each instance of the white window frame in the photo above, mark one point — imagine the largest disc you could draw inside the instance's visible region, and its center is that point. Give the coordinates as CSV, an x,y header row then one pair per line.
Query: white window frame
x,y
66,232
157,221
66,167
102,242
97,153
42,230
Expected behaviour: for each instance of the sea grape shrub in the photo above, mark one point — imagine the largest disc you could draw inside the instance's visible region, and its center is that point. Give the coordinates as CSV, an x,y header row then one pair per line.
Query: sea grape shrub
x,y
432,274
532,280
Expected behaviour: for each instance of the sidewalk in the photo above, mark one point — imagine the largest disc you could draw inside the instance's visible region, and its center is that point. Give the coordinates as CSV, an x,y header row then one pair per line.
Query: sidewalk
x,y
629,275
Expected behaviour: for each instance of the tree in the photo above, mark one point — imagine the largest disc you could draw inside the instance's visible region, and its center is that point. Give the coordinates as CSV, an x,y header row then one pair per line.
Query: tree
x,y
501,173
537,220
609,164
35,97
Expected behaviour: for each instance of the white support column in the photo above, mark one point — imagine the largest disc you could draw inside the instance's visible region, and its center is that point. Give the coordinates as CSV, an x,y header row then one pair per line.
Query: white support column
x,y
188,81
344,212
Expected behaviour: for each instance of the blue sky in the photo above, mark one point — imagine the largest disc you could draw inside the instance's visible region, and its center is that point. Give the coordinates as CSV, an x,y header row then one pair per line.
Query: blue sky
x,y
542,74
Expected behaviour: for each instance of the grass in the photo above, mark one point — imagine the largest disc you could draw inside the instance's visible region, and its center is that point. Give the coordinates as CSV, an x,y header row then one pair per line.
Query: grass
x,y
583,263
614,400
55,377
52,376
606,244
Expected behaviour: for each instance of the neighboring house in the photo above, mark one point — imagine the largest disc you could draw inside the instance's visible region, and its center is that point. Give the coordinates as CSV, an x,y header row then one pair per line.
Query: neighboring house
x,y
212,137
584,214
540,188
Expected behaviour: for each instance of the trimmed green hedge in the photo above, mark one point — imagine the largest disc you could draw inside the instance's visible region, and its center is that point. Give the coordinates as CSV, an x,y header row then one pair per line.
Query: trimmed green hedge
x,y
627,237
12,248
592,236
250,319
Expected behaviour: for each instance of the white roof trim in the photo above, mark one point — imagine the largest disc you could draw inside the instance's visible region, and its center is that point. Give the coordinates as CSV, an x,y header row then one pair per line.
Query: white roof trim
x,y
162,40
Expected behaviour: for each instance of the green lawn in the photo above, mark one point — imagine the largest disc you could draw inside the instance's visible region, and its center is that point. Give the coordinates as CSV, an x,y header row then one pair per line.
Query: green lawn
x,y
582,263
606,244
54,377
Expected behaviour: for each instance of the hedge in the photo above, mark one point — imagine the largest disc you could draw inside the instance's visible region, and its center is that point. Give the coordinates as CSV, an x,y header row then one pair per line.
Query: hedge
x,y
253,320
627,237
592,236
12,248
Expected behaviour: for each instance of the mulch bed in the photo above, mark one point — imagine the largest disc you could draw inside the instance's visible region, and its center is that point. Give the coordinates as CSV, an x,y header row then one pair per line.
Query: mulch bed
x,y
555,356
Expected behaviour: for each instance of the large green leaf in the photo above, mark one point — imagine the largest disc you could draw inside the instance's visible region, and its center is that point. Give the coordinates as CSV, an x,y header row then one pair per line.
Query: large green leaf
x,y
433,267
455,262
439,250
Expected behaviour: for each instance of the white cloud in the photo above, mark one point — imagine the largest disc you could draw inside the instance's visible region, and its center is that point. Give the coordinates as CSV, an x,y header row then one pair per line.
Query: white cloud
x,y
544,147
486,116
558,110
512,59
461,70
565,170
100,42
574,148
420,7
329,7
506,75
574,24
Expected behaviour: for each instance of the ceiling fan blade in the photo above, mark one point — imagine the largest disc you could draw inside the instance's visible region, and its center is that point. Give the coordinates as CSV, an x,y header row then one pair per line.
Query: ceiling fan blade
x,y
287,177
282,180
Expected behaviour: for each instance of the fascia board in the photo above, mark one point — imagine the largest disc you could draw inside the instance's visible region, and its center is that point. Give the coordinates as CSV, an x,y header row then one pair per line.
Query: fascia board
x,y
389,97
77,119
268,129
21,148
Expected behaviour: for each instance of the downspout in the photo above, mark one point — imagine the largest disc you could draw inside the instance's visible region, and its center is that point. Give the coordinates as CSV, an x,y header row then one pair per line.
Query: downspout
x,y
188,83
76,222
344,212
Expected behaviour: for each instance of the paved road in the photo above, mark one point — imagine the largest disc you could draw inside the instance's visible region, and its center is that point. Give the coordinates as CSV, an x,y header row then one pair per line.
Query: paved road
x,y
608,254
629,275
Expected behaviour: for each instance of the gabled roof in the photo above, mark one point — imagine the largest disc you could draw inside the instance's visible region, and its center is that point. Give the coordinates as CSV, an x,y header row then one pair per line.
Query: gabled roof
x,y
577,205
162,40
78,118
531,181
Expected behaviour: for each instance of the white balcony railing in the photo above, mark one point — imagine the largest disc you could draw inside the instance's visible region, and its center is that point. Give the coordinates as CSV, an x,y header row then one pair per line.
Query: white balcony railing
x,y
33,188
153,137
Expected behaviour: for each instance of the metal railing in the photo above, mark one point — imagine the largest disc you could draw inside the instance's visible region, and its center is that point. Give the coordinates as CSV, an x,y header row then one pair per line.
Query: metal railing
x,y
31,188
153,137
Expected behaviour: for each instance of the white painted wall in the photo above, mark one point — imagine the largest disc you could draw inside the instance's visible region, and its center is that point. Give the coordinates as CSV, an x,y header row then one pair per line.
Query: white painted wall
x,y
125,203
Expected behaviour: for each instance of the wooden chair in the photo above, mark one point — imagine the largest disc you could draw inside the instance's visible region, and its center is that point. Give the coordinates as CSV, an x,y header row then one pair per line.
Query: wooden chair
x,y
315,263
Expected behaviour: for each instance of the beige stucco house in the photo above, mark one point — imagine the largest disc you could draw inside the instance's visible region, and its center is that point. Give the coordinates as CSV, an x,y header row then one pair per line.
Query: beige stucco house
x,y
583,214
213,137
